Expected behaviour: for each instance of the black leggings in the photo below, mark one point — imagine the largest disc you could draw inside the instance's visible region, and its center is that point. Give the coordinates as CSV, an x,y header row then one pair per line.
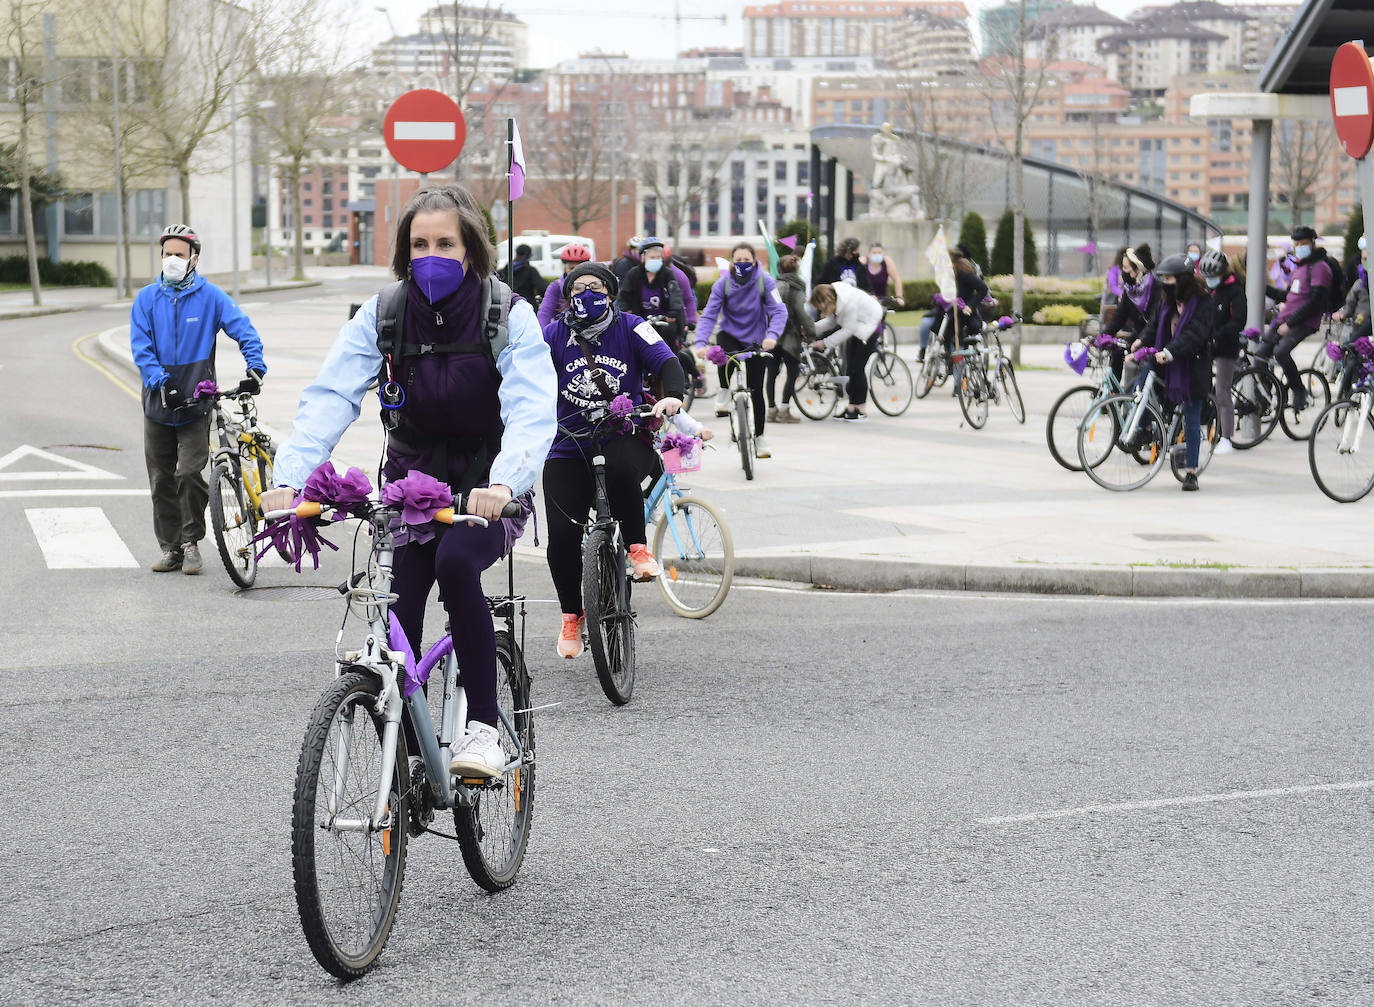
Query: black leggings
x,y
1281,349
755,375
856,354
569,490
780,362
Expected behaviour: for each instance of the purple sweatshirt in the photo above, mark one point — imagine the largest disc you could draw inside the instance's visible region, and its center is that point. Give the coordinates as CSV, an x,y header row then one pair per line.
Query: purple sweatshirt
x,y
1305,276
553,304
627,351
748,317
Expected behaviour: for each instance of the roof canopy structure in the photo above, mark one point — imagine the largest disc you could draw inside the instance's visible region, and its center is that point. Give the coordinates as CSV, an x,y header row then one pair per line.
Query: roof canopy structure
x,y
1301,62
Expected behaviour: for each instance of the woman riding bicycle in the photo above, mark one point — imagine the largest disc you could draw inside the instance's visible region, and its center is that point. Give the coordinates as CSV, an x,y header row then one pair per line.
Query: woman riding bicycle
x,y
851,315
656,287
1182,340
483,427
1227,310
555,300
600,353
1136,311
745,313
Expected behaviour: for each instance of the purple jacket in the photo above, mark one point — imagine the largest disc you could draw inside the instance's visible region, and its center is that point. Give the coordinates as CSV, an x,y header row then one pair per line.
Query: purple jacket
x,y
553,304
627,351
1306,276
747,317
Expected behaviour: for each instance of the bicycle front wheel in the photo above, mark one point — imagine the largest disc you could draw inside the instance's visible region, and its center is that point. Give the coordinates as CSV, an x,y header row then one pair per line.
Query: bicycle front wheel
x,y
1298,424
348,869
696,554
234,523
1006,377
744,424
929,372
494,828
1061,429
973,394
610,623
1341,451
1119,447
814,391
888,338
889,382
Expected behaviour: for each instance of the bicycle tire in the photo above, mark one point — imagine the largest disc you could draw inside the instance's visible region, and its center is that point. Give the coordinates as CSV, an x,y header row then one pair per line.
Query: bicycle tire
x,y
610,623
1324,454
889,383
1263,405
680,573
1006,377
1211,433
1062,409
745,439
925,377
1123,467
887,339
1318,398
500,816
230,514
266,463
814,390
973,401
354,691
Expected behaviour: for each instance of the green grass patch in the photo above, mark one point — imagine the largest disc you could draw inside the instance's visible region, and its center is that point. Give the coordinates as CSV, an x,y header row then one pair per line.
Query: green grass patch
x,y
10,288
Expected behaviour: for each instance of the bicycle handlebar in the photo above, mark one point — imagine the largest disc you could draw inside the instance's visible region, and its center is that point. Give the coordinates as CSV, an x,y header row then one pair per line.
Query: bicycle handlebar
x,y
307,509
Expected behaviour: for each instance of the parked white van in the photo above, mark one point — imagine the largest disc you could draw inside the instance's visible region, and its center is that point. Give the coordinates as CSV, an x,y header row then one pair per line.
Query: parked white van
x,y
544,250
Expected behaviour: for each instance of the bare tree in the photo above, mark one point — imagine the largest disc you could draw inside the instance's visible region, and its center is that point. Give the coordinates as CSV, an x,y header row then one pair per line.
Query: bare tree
x,y
926,146
575,162
1012,86
1302,159
689,152
24,47
467,33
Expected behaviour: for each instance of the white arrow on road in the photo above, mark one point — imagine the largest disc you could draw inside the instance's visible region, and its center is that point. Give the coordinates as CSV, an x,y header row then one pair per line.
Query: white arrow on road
x,y
71,468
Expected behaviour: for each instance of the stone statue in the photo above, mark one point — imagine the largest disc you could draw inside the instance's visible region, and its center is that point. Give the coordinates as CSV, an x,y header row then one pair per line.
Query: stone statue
x,y
894,193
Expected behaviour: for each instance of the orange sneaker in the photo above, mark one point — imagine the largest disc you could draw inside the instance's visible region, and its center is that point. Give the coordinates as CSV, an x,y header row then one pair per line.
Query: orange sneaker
x,y
570,640
643,566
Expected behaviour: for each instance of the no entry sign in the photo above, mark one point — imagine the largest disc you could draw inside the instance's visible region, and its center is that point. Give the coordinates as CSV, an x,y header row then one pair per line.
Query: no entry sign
x,y
424,130
1352,98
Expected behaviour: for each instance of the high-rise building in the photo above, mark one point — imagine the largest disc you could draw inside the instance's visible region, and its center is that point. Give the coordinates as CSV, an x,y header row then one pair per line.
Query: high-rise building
x,y
858,28
929,44
1070,32
457,42
1147,54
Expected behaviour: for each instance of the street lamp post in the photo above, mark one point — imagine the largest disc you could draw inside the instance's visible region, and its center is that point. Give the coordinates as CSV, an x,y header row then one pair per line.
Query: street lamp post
x,y
121,286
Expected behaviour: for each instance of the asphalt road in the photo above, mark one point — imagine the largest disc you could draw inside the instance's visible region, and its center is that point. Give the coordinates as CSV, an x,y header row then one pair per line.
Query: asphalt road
x,y
808,799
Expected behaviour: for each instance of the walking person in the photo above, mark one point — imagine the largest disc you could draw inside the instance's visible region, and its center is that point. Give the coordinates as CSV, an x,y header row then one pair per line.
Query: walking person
x,y
478,415
172,329
1182,340
1307,298
799,331
850,316
844,267
744,312
1227,310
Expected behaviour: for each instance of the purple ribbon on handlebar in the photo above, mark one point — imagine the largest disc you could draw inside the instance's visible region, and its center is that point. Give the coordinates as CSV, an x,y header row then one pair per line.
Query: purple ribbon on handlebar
x,y
1364,346
716,355
1334,352
420,496
206,389
1143,354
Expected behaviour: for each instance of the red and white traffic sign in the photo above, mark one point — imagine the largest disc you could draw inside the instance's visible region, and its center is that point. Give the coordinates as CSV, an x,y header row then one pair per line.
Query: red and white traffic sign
x,y
1352,98
424,130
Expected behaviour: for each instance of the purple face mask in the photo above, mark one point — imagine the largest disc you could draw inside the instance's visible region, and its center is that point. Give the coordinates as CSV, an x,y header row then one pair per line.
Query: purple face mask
x,y
436,276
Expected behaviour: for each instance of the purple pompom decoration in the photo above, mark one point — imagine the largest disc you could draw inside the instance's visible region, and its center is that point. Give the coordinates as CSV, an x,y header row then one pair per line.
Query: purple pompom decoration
x,y
1364,346
1251,333
1006,322
1143,354
1103,341
621,406
1333,352
716,355
678,442
419,495
206,389
342,492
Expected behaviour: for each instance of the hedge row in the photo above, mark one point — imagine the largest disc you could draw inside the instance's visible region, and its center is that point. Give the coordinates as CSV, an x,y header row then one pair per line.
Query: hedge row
x,y
15,269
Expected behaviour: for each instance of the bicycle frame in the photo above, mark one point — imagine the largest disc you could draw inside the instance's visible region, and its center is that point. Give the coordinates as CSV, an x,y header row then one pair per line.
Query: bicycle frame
x,y
1352,439
250,450
666,491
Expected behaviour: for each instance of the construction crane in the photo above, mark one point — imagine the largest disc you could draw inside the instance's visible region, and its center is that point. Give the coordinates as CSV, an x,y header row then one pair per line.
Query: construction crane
x,y
677,17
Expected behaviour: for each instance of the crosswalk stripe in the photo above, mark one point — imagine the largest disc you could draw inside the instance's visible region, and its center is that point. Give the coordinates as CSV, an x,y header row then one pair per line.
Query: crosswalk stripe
x,y
78,538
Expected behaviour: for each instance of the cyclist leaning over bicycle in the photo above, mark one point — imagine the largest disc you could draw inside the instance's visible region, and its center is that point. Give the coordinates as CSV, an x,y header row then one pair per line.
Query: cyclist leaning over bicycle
x,y
1355,311
654,286
1182,340
850,315
475,414
600,353
744,312
1227,311
1135,312
1304,303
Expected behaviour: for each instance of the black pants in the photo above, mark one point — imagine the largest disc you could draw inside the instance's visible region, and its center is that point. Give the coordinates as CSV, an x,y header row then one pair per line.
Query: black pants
x,y
856,354
781,362
570,489
755,375
176,459
1281,349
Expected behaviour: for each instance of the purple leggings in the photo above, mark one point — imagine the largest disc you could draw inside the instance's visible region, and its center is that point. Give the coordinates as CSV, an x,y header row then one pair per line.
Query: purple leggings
x,y
456,559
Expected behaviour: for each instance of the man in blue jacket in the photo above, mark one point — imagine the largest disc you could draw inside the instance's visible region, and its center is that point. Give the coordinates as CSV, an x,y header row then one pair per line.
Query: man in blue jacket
x,y
172,330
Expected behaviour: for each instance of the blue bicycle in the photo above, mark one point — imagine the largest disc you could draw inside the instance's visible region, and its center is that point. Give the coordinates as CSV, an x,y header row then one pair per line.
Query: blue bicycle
x,y
692,545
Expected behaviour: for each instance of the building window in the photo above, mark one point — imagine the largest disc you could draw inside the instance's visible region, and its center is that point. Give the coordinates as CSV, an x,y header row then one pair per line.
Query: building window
x,y
780,171
305,186
78,216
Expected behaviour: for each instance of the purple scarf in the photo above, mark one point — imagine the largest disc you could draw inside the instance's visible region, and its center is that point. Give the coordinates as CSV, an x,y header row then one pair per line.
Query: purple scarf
x,y
1145,287
1176,373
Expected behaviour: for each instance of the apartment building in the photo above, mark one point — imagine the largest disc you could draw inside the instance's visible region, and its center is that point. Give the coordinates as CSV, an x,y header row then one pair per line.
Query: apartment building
x,y
497,26
857,28
929,44
1071,32
1147,54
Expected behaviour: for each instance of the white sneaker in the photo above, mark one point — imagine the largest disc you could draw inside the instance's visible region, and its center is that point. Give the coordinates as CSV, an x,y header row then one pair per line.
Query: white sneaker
x,y
1224,447
478,753
761,448
722,403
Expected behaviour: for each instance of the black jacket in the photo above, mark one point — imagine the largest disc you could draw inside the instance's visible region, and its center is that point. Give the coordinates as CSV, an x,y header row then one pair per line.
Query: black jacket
x,y
632,286
1191,346
526,281
800,330
1136,322
835,268
1227,311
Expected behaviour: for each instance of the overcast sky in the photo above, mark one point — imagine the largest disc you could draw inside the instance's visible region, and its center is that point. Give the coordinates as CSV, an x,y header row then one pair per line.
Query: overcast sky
x,y
643,28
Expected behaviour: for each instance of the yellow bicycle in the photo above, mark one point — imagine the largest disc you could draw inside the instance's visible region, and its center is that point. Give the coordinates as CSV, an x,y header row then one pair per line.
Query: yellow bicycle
x,y
242,469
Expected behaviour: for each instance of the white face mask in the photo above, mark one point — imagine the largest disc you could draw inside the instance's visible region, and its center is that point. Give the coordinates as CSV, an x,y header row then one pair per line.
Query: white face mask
x,y
175,268
876,258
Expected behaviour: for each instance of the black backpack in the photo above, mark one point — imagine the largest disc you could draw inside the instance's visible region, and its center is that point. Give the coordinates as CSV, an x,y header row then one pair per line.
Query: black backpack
x,y
1335,295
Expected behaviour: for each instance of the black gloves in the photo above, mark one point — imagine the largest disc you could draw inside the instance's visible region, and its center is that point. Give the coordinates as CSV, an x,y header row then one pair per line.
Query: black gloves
x,y
171,396
251,385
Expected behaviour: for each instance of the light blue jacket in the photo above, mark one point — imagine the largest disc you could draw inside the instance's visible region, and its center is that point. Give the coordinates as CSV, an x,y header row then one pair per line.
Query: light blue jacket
x,y
529,393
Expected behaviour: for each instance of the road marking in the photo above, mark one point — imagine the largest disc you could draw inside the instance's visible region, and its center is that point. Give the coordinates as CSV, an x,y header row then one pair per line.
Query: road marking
x,y
72,469
78,349
963,597
87,493
78,538
1178,802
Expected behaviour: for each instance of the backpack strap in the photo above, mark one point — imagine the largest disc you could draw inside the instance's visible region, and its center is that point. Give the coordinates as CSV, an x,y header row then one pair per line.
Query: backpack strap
x,y
391,313
496,302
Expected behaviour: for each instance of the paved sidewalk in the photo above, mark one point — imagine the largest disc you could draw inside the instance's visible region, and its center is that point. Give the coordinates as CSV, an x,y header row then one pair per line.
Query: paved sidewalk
x,y
58,300
921,501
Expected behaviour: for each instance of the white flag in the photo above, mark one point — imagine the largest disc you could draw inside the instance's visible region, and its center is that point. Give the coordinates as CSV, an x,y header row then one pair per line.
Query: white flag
x,y
937,254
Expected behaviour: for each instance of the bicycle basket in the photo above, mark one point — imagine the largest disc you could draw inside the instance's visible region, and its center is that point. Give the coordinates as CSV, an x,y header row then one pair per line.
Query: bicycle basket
x,y
677,461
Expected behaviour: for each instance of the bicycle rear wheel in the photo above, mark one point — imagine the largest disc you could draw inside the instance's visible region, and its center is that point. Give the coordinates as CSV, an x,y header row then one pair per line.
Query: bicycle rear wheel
x,y
889,382
973,393
1258,401
744,427
929,372
494,829
348,881
814,390
1061,429
610,623
234,523
1134,453
1006,377
696,554
1340,451
1298,425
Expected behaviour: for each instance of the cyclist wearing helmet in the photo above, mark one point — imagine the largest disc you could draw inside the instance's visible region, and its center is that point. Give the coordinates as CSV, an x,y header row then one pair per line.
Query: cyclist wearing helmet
x,y
1182,339
172,329
1304,303
632,257
1227,310
654,286
554,303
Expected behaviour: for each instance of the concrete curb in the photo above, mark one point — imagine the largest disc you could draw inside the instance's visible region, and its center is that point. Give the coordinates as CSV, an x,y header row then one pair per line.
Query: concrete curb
x,y
6,316
853,574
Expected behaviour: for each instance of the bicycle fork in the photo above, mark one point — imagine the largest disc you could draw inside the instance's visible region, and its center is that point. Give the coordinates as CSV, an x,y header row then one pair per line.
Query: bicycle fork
x,y
1351,438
